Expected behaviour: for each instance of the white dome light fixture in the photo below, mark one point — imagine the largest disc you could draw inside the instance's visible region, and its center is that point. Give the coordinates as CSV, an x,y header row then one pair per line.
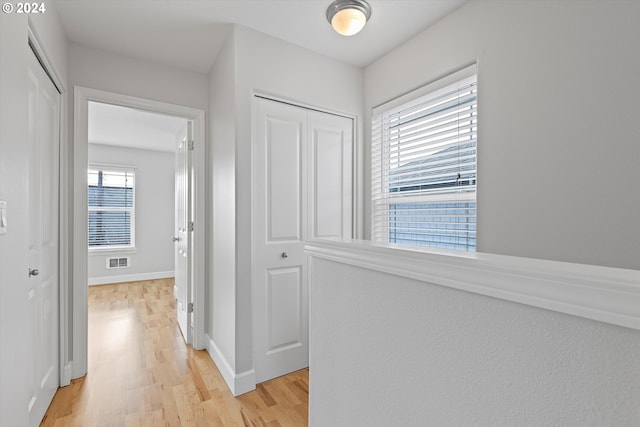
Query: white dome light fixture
x,y
348,17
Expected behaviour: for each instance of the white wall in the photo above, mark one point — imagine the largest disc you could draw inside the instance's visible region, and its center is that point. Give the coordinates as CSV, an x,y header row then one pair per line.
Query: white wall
x,y
253,61
393,351
106,71
13,250
221,236
154,208
558,152
13,184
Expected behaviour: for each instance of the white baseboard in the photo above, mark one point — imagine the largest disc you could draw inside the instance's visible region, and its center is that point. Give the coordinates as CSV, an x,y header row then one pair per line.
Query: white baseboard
x,y
103,280
240,383
245,382
65,375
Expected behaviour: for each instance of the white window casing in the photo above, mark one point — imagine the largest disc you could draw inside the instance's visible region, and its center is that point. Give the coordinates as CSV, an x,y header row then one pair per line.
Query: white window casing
x,y
111,208
423,165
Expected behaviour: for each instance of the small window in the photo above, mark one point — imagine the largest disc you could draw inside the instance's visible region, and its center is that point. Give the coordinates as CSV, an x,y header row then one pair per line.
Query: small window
x,y
424,166
111,208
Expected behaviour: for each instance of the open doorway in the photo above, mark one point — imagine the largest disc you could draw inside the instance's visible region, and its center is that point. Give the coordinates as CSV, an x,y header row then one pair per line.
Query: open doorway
x,y
139,208
126,150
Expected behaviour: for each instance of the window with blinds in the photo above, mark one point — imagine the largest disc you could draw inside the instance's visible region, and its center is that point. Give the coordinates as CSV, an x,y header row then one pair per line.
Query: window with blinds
x,y
424,165
111,208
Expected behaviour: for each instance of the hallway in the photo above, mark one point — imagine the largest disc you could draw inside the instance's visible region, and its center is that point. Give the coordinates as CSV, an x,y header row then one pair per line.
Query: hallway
x,y
142,374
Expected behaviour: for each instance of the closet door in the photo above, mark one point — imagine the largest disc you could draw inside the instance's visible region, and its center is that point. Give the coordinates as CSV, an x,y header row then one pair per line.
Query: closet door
x,y
301,190
41,321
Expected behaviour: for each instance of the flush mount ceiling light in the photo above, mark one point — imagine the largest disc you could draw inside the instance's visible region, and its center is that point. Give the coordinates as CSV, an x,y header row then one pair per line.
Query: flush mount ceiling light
x,y
348,17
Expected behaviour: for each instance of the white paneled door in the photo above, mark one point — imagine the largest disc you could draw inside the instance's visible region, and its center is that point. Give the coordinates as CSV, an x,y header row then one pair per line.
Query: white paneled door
x,y
182,232
302,189
42,320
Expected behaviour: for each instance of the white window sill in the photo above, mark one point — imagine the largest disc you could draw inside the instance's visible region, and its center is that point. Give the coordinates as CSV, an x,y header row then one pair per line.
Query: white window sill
x,y
112,251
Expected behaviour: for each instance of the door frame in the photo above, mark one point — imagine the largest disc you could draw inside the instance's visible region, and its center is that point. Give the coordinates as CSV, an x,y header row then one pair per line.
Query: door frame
x,y
82,97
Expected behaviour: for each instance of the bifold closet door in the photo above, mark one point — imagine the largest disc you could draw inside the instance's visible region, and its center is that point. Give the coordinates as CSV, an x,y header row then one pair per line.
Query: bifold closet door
x,y
302,189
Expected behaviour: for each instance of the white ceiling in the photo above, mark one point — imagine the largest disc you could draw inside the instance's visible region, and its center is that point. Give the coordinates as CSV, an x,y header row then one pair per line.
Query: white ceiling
x,y
128,127
189,34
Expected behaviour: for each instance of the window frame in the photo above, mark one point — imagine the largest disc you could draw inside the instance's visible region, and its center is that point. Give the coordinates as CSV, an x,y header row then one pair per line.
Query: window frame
x,y
131,248
382,198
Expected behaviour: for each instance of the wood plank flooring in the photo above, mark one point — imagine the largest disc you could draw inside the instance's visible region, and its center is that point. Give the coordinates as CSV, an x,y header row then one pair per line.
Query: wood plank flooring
x,y
141,373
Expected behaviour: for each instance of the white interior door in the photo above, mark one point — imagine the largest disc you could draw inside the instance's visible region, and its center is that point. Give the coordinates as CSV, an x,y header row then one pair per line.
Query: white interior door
x,y
182,234
42,320
285,140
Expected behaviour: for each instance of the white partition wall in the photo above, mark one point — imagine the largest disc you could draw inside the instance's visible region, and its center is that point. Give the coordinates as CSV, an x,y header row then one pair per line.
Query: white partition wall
x,y
410,338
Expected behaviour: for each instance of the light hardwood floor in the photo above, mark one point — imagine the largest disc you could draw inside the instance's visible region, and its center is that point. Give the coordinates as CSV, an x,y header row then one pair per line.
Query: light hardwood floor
x,y
141,373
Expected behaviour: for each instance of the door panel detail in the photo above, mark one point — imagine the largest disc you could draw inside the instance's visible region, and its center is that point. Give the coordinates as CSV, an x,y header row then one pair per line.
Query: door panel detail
x,y
331,176
284,299
328,200
283,180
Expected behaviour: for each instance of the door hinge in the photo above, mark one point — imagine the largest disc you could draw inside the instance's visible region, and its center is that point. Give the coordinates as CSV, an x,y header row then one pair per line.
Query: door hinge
x,y
190,307
192,145
191,226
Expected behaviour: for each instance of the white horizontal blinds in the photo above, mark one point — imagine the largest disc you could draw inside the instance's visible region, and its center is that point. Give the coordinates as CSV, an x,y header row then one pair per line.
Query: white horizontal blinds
x,y
379,181
111,208
424,168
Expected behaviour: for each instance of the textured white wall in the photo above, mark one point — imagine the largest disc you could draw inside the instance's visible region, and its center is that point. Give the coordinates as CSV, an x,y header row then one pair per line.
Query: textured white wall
x,y
558,151
391,351
154,206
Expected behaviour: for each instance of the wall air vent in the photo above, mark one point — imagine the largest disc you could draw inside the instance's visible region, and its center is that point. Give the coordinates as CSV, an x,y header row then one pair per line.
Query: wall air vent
x,y
121,262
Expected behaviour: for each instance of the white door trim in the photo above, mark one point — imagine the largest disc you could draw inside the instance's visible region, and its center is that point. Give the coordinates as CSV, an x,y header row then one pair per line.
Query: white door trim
x,y
45,61
82,96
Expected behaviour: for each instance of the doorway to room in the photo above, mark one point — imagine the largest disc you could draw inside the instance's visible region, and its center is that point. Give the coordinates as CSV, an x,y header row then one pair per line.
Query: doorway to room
x,y
139,184
133,235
